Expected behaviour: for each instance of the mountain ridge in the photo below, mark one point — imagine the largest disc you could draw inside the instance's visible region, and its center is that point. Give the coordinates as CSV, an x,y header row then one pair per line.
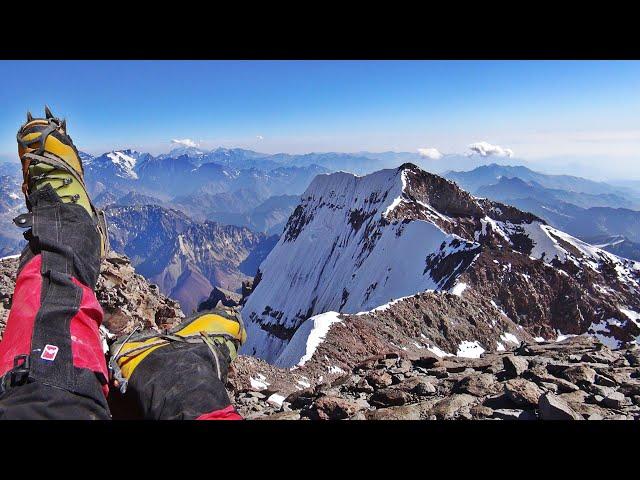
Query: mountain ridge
x,y
472,247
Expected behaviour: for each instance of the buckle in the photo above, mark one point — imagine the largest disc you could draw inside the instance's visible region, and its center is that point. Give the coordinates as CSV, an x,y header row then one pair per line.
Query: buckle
x,y
24,220
19,374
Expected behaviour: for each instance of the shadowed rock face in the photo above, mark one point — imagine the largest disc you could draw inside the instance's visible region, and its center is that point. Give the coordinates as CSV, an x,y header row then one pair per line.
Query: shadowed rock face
x,y
220,295
353,244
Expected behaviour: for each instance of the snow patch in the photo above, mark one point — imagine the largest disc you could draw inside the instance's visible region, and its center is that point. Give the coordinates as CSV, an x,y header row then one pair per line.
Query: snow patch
x,y
259,383
562,337
399,199
276,399
437,351
469,349
459,288
303,382
509,338
125,163
631,315
306,340
385,306
601,330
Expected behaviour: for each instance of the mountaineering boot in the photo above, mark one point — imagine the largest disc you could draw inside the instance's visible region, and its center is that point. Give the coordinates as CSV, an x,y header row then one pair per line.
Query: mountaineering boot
x,y
180,374
49,157
52,364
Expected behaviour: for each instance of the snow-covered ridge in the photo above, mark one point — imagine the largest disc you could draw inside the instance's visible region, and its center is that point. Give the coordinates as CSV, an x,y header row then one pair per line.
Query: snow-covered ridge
x,y
306,340
122,163
358,244
551,245
344,251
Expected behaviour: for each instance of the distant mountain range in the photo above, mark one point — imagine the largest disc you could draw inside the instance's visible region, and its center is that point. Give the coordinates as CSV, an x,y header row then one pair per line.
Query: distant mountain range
x,y
11,203
259,192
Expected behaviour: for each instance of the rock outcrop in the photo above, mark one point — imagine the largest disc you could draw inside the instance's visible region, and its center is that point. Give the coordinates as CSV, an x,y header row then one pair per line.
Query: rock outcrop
x,y
127,299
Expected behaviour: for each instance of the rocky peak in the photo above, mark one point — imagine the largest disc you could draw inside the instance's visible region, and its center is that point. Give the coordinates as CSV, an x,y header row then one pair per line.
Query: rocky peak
x,y
381,241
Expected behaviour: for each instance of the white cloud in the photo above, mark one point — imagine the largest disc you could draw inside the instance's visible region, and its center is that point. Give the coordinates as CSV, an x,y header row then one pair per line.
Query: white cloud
x,y
430,153
485,149
187,142
259,137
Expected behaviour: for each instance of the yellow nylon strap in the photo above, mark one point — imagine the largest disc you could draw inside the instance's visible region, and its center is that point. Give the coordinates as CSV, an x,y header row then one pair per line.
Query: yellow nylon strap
x,y
128,364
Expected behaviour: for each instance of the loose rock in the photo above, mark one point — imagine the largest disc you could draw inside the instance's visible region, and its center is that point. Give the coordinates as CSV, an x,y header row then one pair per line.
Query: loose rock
x,y
553,407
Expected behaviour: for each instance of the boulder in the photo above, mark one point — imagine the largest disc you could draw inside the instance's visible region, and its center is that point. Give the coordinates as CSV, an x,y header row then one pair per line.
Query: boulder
x,y
417,386
405,412
362,386
633,357
522,392
451,366
553,407
480,411
389,397
513,414
478,385
615,400
514,366
333,408
448,407
579,375
281,416
379,379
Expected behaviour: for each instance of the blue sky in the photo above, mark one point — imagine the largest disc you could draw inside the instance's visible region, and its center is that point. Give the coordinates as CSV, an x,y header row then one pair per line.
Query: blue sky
x,y
558,115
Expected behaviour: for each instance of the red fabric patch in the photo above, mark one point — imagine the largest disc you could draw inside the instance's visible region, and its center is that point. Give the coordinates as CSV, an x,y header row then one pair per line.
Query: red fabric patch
x,y
227,413
86,346
17,335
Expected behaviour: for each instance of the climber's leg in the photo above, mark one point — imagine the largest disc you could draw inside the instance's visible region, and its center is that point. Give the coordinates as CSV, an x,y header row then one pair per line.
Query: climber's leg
x,y
51,359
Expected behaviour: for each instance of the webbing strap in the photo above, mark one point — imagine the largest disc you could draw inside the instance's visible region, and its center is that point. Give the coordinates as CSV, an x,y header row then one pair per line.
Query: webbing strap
x,y
213,349
54,161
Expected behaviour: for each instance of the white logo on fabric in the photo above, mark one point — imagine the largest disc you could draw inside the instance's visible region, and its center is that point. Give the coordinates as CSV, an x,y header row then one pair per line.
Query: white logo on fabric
x,y
49,353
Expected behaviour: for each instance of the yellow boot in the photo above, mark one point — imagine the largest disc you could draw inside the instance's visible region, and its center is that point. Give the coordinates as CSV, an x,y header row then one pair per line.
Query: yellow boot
x,y
49,157
220,332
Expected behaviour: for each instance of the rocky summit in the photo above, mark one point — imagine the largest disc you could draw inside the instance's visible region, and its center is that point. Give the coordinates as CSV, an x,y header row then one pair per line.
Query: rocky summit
x,y
578,378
